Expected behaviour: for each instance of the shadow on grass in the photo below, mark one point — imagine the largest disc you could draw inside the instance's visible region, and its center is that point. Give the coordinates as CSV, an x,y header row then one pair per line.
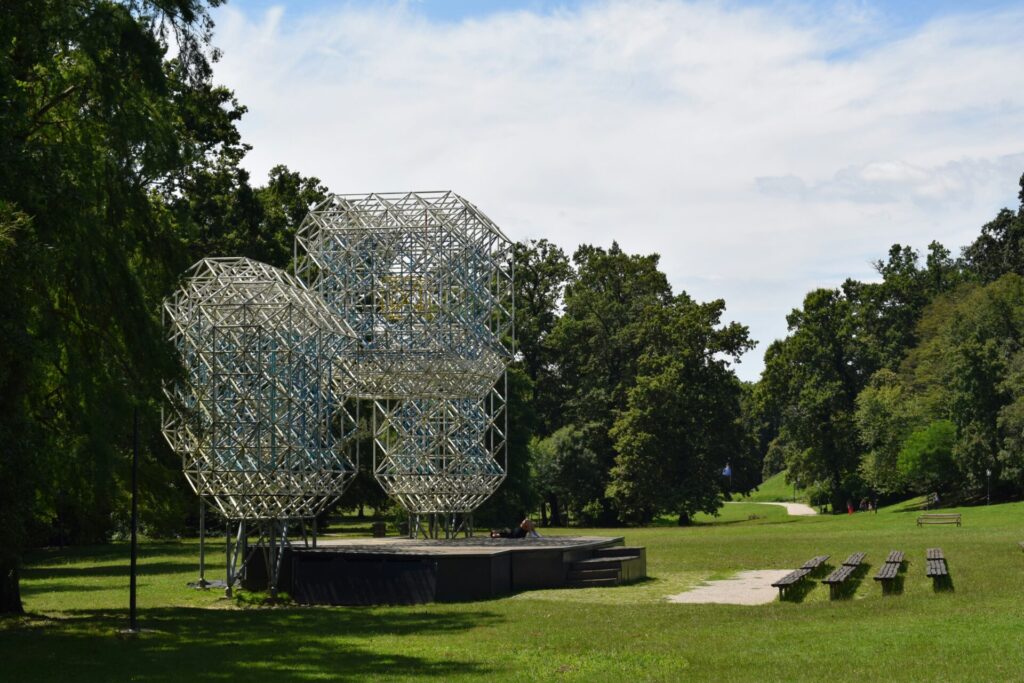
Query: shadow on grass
x,y
797,592
283,644
120,569
894,586
846,589
943,584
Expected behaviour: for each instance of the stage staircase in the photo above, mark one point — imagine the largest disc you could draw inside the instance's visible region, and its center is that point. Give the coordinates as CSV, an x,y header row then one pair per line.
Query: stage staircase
x,y
609,567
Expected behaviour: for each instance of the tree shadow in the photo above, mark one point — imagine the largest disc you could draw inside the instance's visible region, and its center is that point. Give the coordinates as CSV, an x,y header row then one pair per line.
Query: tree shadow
x,y
36,574
287,644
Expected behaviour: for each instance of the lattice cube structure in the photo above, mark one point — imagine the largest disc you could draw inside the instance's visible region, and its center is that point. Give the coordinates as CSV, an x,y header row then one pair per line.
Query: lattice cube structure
x,y
437,455
257,418
425,280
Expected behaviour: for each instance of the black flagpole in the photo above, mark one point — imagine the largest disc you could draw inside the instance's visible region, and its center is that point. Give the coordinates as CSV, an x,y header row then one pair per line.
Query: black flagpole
x,y
133,623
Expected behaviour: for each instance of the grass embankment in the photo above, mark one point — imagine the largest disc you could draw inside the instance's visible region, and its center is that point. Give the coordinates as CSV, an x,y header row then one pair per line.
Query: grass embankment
x,y
774,489
78,597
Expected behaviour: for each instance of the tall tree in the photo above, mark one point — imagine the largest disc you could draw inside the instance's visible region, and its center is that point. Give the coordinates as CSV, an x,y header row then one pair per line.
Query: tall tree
x,y
682,424
541,274
91,134
999,249
598,345
818,371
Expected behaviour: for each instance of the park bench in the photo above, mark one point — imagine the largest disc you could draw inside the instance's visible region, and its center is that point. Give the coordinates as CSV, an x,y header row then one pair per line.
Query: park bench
x,y
944,518
936,567
854,560
894,557
890,570
797,575
835,580
819,560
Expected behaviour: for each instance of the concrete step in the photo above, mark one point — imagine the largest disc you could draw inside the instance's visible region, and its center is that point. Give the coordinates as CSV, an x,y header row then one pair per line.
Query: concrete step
x,y
592,583
586,574
619,551
601,563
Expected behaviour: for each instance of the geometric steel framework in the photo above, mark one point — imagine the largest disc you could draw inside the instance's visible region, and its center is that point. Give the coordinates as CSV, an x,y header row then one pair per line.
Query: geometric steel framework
x,y
257,418
425,282
401,301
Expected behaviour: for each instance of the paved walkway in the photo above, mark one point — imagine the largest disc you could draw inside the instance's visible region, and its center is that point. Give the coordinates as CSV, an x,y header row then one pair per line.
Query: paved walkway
x,y
795,509
746,588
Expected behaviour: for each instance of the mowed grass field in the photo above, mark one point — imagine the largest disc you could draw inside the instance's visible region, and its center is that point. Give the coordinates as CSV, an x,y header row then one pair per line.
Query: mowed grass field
x,y
775,488
77,599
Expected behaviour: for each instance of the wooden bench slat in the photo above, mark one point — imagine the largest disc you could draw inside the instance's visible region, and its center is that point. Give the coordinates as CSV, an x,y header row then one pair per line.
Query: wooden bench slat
x,y
934,554
888,571
790,578
815,562
895,557
839,575
854,560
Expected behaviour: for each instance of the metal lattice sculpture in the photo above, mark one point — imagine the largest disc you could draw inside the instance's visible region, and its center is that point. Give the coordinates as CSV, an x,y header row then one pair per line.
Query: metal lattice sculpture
x,y
437,455
425,282
257,418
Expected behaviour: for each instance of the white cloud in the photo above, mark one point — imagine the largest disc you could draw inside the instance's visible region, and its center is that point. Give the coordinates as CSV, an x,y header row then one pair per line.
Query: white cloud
x,y
761,152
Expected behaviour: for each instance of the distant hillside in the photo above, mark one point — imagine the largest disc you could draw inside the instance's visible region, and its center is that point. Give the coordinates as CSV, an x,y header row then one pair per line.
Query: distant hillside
x,y
775,489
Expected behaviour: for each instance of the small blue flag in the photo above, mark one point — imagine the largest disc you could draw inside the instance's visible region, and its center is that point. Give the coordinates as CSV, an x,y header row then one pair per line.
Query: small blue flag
x,y
727,472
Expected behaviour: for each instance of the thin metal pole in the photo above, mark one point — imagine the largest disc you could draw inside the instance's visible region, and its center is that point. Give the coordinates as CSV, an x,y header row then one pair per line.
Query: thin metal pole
x,y
133,621
202,543
227,553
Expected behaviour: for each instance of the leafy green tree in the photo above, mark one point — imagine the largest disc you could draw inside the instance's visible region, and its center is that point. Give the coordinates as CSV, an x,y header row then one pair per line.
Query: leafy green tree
x,y
598,342
886,415
91,137
284,202
817,373
926,459
541,273
682,423
999,249
567,474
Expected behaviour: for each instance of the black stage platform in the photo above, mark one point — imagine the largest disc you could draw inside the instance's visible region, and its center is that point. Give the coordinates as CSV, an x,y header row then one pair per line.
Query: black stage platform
x,y
409,571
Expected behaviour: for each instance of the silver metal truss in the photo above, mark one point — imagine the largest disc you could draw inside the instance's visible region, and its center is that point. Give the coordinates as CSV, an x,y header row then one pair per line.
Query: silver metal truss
x,y
425,281
257,418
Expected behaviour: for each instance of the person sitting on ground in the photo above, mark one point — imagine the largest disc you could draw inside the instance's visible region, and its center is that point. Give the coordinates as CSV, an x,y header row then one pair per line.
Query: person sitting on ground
x,y
529,528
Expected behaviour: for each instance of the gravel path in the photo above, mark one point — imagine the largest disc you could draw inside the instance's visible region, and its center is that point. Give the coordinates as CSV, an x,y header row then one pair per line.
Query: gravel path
x,y
746,588
795,509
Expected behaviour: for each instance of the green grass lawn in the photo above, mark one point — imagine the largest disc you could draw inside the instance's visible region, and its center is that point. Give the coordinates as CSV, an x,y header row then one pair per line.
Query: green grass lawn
x,y
77,601
775,489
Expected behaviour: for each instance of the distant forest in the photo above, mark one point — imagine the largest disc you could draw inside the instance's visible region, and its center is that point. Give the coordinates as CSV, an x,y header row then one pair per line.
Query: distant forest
x,y
121,165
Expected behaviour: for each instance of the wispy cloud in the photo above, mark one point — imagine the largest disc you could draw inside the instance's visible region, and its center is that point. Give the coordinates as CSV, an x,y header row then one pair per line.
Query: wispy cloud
x,y
760,151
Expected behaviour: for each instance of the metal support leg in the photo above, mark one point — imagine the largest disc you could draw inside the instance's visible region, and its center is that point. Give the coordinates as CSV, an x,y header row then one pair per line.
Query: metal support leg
x,y
203,583
230,578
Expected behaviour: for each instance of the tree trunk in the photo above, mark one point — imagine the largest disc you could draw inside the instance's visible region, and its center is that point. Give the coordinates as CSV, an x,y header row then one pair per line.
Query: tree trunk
x,y
556,517
543,513
362,513
684,519
10,589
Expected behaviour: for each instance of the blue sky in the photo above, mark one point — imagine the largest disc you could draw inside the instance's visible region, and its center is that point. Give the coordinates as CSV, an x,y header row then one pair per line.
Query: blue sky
x,y
762,148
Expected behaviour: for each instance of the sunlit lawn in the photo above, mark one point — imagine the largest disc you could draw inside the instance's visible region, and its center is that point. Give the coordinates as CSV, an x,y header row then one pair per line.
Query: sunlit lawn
x,y
77,600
